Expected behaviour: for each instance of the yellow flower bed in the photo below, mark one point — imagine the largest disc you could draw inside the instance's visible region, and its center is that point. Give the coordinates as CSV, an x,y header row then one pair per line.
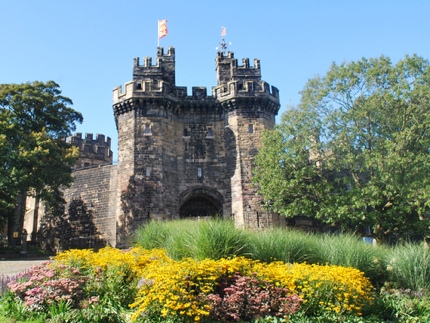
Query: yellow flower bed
x,y
135,258
322,288
178,288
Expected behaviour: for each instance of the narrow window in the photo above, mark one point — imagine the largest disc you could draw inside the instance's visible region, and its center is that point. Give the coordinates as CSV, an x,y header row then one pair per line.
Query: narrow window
x,y
199,172
210,132
251,128
148,171
147,129
139,86
185,132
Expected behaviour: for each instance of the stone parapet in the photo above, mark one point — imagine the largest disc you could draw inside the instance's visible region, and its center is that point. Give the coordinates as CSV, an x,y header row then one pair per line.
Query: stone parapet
x,y
92,151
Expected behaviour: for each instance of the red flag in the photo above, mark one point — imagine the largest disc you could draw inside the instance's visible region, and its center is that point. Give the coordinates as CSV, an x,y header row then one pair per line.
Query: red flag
x,y
223,31
162,28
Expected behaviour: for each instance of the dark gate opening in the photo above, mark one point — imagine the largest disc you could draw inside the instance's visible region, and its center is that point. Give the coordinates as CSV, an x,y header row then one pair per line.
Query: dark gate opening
x,y
200,206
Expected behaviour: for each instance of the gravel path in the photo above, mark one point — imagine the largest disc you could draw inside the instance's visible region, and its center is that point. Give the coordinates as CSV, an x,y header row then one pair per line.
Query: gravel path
x,y
13,267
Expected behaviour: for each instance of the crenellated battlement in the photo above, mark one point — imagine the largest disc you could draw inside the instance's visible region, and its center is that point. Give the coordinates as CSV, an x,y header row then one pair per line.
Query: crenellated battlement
x,y
92,151
76,139
148,89
157,81
227,69
241,81
245,88
163,70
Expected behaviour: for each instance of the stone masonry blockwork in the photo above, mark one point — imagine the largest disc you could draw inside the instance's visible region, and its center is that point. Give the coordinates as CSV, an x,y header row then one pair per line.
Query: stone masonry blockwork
x,y
179,155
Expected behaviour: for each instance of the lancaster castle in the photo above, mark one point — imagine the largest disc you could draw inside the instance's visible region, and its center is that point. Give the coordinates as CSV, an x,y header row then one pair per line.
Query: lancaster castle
x,y
179,155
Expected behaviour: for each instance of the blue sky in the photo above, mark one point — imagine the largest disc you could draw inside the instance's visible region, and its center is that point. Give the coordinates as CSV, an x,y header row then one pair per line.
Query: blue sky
x,y
88,46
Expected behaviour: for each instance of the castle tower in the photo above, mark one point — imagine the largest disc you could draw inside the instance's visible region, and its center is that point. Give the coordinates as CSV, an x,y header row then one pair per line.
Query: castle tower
x,y
251,106
183,155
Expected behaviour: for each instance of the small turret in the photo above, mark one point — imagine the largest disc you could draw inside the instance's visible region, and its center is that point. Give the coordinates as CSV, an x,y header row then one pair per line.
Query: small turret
x,y
228,70
243,81
92,151
164,70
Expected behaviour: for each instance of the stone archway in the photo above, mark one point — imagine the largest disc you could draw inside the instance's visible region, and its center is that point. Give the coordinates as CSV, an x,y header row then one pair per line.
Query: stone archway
x,y
200,202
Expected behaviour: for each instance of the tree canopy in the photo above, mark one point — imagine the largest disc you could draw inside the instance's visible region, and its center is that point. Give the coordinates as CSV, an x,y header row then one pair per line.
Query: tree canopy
x,y
355,152
34,121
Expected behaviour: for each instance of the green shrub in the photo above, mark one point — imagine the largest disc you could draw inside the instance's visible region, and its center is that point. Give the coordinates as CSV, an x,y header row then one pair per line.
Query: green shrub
x,y
405,305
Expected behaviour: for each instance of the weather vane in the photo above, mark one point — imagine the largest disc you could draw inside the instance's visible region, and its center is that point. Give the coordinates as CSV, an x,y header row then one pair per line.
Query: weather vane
x,y
223,44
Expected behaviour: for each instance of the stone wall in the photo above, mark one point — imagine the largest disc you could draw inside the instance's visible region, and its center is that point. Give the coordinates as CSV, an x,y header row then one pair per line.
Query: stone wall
x,y
94,189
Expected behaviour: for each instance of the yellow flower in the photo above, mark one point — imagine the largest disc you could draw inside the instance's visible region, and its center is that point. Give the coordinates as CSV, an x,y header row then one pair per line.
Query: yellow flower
x,y
178,288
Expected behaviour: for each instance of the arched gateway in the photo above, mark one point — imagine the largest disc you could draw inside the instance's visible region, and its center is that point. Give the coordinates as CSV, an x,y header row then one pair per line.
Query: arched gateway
x,y
200,202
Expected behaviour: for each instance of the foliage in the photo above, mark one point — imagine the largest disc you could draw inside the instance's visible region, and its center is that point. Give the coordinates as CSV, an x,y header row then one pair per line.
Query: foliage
x,y
161,289
218,239
323,288
14,307
405,305
354,153
43,287
247,298
212,239
408,265
286,245
350,251
94,286
155,234
34,120
180,288
185,239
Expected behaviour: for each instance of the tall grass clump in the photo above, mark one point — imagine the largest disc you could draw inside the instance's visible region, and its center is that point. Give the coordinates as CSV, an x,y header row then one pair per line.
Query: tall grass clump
x,y
409,266
214,239
286,245
154,234
176,237
218,238
348,250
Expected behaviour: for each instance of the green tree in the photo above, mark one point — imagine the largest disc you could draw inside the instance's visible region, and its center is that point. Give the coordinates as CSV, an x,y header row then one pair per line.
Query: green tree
x,y
34,120
355,152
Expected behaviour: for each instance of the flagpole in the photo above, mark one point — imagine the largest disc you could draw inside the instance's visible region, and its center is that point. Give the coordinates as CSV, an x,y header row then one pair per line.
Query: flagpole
x,y
158,33
162,30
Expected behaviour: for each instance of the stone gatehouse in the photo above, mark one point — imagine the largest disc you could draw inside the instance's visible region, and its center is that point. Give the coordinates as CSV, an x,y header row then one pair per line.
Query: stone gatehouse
x,y
179,155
